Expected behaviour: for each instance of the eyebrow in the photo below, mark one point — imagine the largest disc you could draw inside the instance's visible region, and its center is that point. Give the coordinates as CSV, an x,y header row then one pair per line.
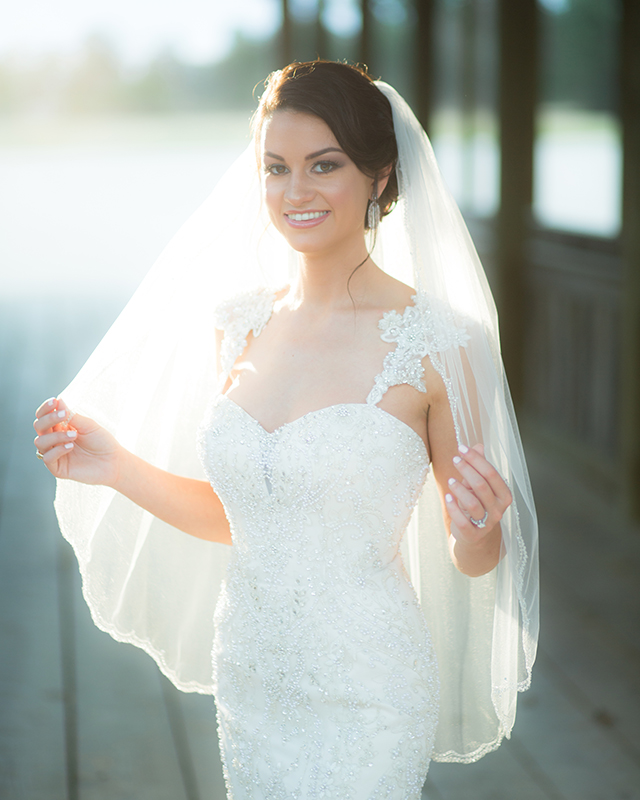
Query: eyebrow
x,y
310,156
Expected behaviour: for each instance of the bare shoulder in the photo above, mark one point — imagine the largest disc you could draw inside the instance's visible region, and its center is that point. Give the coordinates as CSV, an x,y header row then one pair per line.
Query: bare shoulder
x,y
391,294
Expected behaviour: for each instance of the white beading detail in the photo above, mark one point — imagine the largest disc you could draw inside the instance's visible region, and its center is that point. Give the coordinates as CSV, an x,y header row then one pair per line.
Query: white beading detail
x,y
324,672
416,336
237,317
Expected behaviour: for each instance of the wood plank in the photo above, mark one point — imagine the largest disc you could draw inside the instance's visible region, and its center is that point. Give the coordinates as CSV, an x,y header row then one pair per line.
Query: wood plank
x,y
598,672
573,750
125,746
587,550
32,753
498,776
202,731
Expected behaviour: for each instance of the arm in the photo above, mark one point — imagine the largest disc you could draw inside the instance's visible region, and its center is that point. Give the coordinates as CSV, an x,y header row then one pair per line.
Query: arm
x,y
468,486
85,452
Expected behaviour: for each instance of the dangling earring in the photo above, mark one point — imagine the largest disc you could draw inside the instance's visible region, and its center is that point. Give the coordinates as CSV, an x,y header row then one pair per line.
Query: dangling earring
x,y
373,212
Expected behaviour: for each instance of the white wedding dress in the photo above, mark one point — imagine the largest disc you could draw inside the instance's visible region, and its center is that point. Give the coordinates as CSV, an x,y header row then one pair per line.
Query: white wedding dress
x,y
324,674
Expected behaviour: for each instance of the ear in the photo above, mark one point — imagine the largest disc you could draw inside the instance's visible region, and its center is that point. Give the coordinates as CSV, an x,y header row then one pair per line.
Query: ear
x,y
381,181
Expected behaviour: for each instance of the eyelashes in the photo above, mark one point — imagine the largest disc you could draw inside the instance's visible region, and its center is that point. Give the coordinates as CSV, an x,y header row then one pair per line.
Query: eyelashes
x,y
330,167
323,167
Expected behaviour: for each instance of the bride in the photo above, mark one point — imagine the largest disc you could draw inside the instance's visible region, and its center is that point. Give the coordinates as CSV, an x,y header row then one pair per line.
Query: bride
x,y
357,586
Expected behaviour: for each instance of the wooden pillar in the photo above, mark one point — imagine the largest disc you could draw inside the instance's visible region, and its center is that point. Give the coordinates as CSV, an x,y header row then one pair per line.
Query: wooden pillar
x,y
468,100
365,35
517,93
322,39
286,35
425,61
630,356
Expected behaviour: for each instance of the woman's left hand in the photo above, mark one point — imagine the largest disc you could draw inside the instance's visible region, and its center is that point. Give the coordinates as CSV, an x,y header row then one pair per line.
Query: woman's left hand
x,y
478,499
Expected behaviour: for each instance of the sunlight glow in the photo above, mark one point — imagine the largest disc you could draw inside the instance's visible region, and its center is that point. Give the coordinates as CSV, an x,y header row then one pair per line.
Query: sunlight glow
x,y
196,30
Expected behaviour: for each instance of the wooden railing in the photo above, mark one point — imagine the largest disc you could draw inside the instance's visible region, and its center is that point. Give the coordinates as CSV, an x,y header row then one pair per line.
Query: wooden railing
x,y
572,343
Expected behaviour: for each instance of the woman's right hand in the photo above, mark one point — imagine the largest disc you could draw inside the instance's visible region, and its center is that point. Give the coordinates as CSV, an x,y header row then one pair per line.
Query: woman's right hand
x,y
78,449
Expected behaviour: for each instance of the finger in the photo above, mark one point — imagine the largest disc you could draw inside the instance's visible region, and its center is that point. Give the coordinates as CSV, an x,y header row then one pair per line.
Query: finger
x,y
51,420
474,458
467,500
68,413
52,456
460,521
46,407
475,482
48,440
82,424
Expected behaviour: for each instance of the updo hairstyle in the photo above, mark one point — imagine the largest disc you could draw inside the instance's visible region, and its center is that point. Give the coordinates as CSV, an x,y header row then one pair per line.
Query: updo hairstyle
x,y
353,107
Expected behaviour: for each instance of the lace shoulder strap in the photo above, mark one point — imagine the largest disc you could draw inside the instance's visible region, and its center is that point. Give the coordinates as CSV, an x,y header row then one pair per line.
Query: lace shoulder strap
x,y
237,317
416,335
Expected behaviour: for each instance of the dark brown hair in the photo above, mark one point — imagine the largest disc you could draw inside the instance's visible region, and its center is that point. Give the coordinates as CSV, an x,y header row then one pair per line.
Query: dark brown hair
x,y
353,107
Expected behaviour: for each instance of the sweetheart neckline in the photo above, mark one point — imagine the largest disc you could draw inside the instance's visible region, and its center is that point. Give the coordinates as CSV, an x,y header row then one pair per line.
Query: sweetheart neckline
x,y
328,408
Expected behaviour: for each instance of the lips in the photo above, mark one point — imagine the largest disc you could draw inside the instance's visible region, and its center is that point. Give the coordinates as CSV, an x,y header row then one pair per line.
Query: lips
x,y
305,219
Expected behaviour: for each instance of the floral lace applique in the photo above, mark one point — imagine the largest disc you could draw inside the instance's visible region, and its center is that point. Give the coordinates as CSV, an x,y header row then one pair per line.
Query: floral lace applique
x,y
237,317
416,335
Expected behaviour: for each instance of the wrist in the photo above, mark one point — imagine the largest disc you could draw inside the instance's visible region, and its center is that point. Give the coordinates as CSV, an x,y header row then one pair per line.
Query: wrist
x,y
122,465
478,556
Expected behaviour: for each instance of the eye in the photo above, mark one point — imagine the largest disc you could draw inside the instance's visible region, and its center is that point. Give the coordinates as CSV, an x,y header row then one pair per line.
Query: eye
x,y
324,167
275,169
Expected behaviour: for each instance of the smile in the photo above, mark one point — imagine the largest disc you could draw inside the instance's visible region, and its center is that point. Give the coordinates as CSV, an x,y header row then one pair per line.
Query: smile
x,y
306,218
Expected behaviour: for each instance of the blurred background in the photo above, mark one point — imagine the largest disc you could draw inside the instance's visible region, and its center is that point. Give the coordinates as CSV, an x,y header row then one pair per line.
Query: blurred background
x,y
116,119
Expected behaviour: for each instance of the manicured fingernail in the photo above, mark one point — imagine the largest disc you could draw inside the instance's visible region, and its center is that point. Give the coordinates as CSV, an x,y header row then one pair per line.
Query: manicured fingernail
x,y
72,434
51,401
456,459
62,414
451,481
68,446
448,498
463,449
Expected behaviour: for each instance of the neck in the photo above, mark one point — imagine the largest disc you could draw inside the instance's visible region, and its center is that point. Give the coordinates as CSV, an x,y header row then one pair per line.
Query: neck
x,y
333,282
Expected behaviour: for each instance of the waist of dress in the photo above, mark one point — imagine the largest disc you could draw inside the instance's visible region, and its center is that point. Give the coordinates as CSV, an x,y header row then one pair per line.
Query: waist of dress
x,y
305,584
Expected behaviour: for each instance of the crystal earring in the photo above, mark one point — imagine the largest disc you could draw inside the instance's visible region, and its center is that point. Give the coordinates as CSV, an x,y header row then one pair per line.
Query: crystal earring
x,y
373,212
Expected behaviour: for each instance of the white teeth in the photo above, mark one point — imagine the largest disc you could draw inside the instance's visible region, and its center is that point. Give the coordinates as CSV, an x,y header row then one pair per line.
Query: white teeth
x,y
307,215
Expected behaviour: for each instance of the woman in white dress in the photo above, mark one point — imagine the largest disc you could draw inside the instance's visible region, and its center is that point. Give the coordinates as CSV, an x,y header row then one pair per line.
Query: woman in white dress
x,y
350,645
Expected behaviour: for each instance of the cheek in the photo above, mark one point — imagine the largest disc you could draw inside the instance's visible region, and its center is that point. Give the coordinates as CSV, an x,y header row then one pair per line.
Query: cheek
x,y
272,198
352,197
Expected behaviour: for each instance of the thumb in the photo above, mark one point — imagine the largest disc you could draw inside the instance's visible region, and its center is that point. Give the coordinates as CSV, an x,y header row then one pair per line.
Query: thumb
x,y
75,421
82,424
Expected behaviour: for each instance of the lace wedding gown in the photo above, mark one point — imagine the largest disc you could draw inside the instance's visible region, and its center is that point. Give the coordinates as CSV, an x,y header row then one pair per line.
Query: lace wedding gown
x,y
325,678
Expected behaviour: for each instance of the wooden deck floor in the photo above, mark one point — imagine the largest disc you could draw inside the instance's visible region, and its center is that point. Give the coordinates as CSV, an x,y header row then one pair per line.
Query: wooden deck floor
x,y
82,717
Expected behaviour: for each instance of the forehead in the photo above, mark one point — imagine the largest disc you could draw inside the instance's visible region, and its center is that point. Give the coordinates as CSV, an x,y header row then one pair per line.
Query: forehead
x,y
295,132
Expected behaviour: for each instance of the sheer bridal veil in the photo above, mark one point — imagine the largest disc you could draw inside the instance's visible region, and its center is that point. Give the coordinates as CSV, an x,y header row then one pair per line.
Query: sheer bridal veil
x,y
151,378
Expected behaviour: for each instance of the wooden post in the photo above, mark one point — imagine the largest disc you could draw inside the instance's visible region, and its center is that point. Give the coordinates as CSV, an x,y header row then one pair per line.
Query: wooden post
x,y
517,92
322,38
365,35
630,356
468,100
424,61
286,35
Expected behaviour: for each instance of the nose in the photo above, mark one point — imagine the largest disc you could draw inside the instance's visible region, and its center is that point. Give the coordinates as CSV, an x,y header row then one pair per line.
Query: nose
x,y
299,189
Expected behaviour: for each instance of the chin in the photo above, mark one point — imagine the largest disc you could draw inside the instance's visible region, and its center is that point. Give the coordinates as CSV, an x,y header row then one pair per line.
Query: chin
x,y
305,244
